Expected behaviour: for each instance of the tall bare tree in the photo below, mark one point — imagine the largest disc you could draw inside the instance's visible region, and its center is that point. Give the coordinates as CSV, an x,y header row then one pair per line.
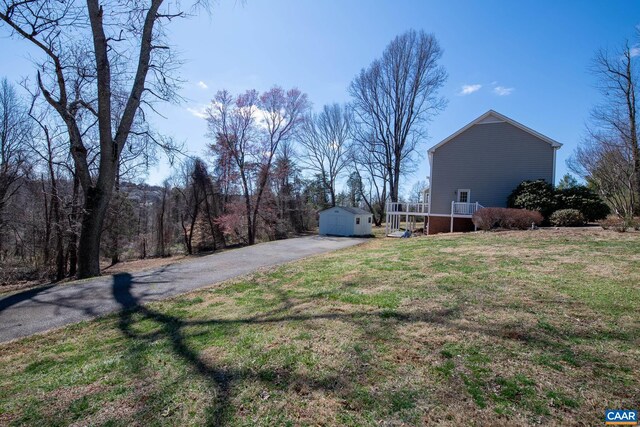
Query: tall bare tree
x,y
609,157
326,139
249,129
47,145
395,98
192,198
94,54
16,131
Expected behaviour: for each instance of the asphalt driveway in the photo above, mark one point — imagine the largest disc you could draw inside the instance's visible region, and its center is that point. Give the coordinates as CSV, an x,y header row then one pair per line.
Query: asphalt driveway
x,y
37,310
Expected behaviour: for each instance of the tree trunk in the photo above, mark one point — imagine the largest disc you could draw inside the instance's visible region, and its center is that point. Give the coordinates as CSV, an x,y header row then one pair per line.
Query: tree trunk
x,y
262,183
160,228
187,239
251,237
247,200
635,151
57,219
144,247
192,226
395,189
210,215
115,232
95,207
72,248
47,226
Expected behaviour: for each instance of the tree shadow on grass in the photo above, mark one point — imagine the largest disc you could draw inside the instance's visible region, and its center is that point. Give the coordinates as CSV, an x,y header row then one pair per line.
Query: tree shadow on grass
x,y
224,380
172,329
221,379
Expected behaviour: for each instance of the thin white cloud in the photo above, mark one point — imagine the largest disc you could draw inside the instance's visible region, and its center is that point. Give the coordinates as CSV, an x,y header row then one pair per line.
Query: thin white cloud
x,y
634,51
503,91
202,85
469,89
199,112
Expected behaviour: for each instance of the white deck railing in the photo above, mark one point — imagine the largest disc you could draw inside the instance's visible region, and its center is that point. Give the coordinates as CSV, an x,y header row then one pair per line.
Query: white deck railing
x,y
462,208
407,212
398,207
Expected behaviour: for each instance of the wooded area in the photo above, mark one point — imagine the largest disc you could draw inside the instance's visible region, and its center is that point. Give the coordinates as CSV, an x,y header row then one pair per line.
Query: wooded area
x,y
75,146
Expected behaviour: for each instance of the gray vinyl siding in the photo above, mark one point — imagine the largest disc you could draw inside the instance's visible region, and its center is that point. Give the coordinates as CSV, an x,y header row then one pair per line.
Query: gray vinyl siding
x,y
491,160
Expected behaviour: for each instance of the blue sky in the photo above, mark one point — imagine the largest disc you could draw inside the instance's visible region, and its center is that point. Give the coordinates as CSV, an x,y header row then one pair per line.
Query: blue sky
x,y
529,58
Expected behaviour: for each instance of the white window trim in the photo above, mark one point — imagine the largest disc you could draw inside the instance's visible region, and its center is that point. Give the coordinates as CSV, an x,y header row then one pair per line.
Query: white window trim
x,y
462,190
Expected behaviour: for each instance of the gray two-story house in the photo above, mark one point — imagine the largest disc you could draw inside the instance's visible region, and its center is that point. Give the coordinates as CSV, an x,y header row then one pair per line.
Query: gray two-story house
x,y
480,165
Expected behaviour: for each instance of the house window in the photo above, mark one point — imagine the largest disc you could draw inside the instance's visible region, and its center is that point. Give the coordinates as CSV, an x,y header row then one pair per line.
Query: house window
x,y
369,220
463,195
357,221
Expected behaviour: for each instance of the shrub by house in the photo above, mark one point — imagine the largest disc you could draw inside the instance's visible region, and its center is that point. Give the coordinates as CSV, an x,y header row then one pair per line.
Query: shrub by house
x,y
567,218
506,218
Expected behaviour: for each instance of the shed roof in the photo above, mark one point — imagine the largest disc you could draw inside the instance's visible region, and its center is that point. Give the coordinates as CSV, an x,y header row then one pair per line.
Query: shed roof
x,y
352,210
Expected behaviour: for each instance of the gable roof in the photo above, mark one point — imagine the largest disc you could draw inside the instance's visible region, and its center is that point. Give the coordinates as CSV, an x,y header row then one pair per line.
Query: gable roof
x,y
492,116
355,211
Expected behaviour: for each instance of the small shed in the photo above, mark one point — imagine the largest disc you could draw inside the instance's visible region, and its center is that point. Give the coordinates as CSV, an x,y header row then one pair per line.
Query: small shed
x,y
345,221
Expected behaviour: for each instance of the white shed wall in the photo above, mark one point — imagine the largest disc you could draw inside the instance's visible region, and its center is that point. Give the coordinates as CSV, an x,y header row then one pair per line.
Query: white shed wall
x,y
339,222
364,228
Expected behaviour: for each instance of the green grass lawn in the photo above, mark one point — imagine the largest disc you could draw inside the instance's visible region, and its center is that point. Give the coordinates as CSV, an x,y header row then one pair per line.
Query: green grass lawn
x,y
512,328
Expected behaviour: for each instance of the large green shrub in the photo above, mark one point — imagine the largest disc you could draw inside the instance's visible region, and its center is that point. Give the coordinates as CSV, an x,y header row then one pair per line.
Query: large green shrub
x,y
536,195
567,218
585,200
540,196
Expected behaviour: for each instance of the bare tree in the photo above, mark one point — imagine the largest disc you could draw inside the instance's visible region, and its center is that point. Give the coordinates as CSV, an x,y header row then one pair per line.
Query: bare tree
x,y
232,124
192,199
90,52
74,218
16,131
609,157
202,180
48,146
287,194
416,195
373,178
326,138
606,166
394,99
249,130
162,220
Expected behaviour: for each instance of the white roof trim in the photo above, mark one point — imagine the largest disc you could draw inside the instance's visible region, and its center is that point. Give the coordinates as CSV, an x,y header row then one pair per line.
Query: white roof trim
x,y
348,209
492,116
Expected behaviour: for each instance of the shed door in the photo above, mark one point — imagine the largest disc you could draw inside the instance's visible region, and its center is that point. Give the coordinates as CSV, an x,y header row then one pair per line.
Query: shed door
x,y
341,224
